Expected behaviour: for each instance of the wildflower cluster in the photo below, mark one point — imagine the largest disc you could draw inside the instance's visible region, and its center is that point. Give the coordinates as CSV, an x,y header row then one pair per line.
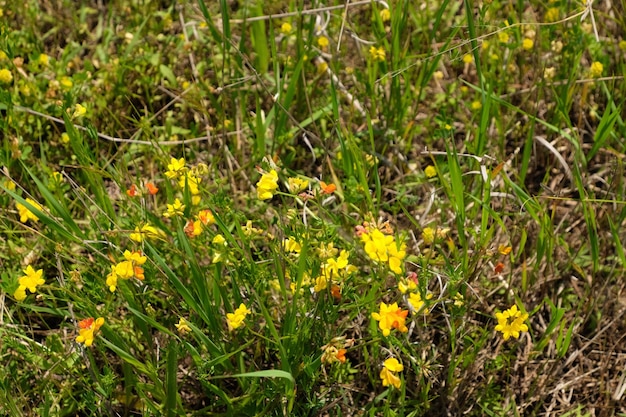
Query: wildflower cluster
x,y
382,247
25,213
511,322
30,281
335,351
409,287
130,267
391,317
388,374
267,185
87,330
334,269
235,319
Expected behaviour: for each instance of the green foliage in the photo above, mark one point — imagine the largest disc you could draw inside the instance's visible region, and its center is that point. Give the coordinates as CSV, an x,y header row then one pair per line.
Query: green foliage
x,y
249,208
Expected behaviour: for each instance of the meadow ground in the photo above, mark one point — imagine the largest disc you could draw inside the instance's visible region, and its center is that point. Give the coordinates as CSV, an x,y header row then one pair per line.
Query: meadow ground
x,y
307,208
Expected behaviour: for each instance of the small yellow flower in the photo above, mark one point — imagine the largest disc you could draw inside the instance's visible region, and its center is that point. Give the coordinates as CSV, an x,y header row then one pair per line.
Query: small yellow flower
x,y
286,28
65,138
175,168
66,83
511,322
111,279
267,185
219,240
377,54
528,44
44,59
250,230
235,319
384,248
30,281
5,76
476,105
182,326
504,249
503,37
297,185
468,58
430,171
416,302
176,209
88,328
428,235
391,317
292,245
148,231
596,69
323,42
388,373
3,56
79,111
385,15
326,251
622,44
552,15
25,213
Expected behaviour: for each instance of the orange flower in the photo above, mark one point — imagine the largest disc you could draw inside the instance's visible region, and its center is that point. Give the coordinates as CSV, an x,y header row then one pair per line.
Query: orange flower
x,y
132,191
152,189
86,323
328,188
499,268
341,355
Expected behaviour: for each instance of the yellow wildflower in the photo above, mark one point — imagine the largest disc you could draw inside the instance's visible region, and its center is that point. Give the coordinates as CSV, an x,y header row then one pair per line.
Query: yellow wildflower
x,y
291,245
88,328
5,76
388,373
285,28
323,42
297,185
385,15
552,15
66,83
65,138
383,248
430,171
146,230
235,319
511,322
503,37
25,213
391,317
327,251
596,69
250,230
29,282
175,168
267,185
527,44
377,54
111,279
44,59
176,209
416,302
468,58
182,326
219,240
